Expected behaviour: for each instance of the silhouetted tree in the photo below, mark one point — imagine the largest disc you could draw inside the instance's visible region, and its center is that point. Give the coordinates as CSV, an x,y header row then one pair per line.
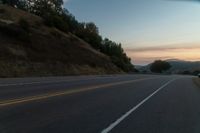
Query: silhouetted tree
x,y
45,7
159,66
117,54
89,32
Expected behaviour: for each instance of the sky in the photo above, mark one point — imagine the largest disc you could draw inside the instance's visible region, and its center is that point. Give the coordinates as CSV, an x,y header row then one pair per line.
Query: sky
x,y
148,29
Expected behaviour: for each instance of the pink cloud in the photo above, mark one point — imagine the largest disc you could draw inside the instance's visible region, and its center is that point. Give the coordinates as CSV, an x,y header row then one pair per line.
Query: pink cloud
x,y
149,54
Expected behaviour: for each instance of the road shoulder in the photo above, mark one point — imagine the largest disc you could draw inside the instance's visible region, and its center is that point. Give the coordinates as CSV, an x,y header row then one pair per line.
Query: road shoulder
x,y
196,81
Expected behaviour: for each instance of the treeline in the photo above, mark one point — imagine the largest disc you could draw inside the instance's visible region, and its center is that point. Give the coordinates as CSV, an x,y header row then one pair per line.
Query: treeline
x,y
55,15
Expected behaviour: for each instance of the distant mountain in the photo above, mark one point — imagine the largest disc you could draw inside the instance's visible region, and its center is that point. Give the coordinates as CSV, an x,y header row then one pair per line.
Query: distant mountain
x,y
178,66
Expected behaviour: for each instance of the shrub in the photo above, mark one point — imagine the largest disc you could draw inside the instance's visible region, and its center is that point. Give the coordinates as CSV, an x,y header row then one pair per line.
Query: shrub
x,y
24,25
10,30
54,20
56,34
159,66
2,11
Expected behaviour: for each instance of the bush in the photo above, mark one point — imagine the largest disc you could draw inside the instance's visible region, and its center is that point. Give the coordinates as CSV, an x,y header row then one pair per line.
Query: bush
x,y
159,66
24,25
2,11
54,20
56,34
9,30
14,31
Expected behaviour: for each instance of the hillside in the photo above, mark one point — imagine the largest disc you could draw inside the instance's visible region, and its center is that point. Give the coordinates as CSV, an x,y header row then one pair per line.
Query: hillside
x,y
181,66
30,48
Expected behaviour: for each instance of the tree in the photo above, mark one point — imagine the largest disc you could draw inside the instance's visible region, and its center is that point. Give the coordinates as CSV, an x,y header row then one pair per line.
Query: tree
x,y
117,55
45,7
10,2
159,66
91,28
89,32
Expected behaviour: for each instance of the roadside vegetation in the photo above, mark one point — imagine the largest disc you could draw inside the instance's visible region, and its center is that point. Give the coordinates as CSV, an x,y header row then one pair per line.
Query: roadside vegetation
x,y
160,66
55,15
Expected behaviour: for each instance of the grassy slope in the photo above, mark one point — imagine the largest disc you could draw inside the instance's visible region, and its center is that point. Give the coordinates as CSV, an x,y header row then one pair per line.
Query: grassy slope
x,y
44,51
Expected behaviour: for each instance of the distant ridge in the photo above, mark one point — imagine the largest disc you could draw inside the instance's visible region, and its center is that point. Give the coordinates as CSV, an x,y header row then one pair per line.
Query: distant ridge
x,y
177,66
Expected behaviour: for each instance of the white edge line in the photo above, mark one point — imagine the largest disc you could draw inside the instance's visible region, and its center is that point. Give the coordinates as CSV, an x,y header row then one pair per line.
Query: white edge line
x,y
44,82
11,101
30,83
113,125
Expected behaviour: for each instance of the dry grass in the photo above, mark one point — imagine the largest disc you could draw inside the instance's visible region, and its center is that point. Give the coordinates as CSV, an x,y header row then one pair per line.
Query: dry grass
x,y
35,69
197,81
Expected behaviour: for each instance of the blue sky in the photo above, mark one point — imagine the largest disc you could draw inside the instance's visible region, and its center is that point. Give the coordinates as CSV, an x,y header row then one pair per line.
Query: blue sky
x,y
144,25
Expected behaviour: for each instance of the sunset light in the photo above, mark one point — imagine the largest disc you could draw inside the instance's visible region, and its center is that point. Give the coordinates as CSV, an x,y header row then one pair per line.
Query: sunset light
x,y
144,56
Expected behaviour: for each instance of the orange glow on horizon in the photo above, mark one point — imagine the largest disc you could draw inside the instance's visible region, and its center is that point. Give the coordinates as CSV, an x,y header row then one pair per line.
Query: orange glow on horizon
x,y
145,56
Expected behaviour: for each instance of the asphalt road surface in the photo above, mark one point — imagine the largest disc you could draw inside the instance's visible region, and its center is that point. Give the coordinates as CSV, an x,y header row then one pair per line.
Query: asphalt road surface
x,y
100,104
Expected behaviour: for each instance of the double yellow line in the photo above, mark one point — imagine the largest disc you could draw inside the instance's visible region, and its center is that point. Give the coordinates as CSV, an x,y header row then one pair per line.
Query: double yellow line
x,y
67,92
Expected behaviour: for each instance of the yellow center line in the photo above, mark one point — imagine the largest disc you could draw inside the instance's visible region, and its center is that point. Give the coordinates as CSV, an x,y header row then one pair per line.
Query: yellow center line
x,y
50,95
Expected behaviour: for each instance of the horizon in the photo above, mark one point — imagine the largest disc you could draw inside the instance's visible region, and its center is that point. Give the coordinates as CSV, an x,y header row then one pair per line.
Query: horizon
x,y
167,60
160,29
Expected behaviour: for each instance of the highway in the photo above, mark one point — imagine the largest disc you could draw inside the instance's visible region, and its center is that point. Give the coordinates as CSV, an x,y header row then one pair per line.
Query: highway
x,y
100,104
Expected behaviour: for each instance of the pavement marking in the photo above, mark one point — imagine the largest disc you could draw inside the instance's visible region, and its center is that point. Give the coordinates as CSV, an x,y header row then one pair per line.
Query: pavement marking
x,y
118,121
46,82
50,95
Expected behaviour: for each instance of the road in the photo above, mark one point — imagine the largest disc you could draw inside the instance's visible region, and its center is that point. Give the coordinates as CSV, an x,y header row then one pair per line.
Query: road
x,y
100,104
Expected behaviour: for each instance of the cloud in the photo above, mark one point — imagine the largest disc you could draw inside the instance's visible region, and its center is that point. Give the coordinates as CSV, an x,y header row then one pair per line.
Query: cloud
x,y
149,54
165,47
